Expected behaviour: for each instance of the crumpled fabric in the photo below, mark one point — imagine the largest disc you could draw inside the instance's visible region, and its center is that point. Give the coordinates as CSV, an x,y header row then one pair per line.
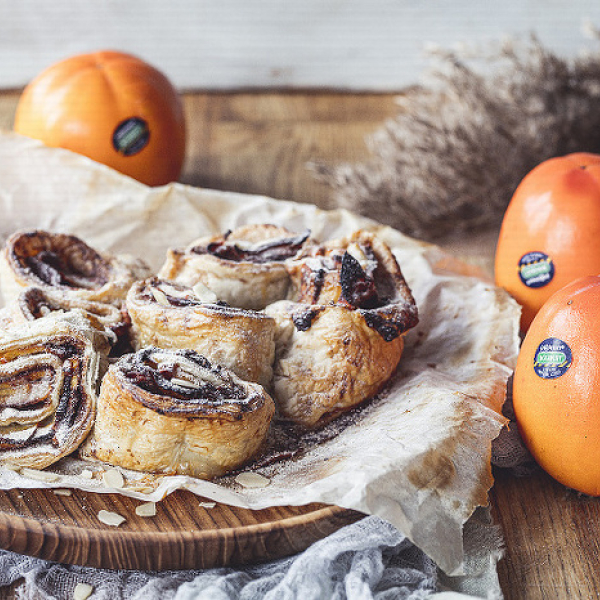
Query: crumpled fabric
x,y
367,560
508,449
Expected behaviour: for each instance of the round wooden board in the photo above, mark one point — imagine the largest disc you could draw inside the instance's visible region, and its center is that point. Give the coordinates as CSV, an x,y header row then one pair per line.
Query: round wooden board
x,y
182,535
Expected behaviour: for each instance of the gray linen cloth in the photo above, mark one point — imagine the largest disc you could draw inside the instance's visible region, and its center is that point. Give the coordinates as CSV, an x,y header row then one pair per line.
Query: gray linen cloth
x,y
367,560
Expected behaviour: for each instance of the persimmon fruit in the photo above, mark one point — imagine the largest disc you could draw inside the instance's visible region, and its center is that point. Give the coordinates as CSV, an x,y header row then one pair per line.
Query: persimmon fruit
x,y
556,386
112,107
550,233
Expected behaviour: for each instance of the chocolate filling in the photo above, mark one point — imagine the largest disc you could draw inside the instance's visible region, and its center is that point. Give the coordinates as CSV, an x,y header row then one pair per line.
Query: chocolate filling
x,y
60,260
70,396
370,290
358,288
161,379
273,250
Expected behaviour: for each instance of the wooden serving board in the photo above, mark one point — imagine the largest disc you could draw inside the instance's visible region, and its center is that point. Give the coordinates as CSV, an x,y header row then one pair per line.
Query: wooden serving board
x,y
182,535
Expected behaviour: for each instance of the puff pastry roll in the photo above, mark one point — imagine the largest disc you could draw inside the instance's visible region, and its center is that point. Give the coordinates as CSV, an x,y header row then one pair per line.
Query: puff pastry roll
x,y
360,273
65,262
35,303
49,373
169,315
244,267
332,365
173,412
342,341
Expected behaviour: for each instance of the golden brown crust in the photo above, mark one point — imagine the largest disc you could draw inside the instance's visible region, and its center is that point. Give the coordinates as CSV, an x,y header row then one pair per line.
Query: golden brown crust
x,y
244,268
169,315
49,371
65,262
329,367
148,419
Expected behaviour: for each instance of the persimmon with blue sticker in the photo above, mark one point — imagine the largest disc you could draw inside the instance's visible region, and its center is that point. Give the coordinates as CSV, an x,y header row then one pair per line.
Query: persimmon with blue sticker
x,y
550,233
114,108
556,386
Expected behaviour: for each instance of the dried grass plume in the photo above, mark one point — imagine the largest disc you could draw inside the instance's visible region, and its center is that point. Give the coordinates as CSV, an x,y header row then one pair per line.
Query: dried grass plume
x,y
453,156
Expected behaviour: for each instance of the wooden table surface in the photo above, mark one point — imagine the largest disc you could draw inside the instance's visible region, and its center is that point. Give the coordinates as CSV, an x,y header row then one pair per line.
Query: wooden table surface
x,y
261,143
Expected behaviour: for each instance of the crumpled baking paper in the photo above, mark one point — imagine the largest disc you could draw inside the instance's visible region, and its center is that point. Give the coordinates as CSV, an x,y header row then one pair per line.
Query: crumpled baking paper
x,y
418,455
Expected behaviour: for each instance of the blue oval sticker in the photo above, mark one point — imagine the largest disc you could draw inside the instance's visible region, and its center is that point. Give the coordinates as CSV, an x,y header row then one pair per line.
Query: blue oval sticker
x,y
536,269
552,358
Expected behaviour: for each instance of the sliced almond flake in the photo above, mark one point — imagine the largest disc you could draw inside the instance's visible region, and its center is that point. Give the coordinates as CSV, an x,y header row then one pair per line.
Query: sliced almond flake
x,y
183,382
110,518
173,291
44,476
11,467
113,478
148,509
82,591
62,492
252,480
207,504
204,294
87,474
160,296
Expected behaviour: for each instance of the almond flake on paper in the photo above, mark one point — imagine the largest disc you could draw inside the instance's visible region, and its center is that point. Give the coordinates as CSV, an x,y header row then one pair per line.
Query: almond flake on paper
x,y
44,476
113,479
252,480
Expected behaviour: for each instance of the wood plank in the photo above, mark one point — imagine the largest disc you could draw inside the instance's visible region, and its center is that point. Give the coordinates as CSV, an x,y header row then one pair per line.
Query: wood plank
x,y
263,143
551,536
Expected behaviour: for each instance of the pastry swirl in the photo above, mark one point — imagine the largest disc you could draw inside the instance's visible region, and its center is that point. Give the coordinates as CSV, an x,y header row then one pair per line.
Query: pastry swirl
x,y
172,411
244,268
49,373
360,273
35,303
168,315
342,340
65,262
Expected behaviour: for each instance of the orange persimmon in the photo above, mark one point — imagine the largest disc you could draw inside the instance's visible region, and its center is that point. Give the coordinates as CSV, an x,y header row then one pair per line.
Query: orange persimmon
x,y
556,386
112,107
550,233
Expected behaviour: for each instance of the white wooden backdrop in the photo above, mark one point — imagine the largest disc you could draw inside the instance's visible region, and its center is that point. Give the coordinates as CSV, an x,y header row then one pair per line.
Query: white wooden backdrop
x,y
230,44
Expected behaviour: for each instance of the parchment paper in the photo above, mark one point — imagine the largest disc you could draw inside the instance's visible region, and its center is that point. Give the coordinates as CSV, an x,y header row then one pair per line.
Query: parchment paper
x,y
417,455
